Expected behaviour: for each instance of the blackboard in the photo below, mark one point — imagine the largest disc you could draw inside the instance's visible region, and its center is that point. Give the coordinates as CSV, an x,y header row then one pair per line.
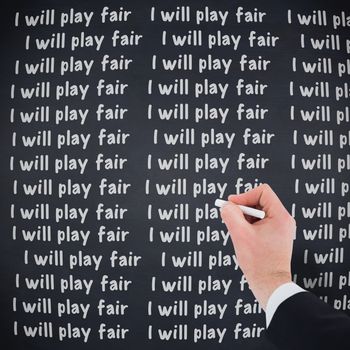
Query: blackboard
x,y
122,122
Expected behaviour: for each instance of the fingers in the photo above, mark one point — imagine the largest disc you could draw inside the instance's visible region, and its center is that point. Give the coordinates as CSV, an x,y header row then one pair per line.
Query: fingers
x,y
234,220
262,196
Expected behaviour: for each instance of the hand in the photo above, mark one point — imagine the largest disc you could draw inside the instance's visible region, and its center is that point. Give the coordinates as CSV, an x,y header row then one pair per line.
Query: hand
x,y
263,247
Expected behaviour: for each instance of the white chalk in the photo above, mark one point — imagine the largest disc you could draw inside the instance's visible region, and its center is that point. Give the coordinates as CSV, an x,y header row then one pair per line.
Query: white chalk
x,y
246,210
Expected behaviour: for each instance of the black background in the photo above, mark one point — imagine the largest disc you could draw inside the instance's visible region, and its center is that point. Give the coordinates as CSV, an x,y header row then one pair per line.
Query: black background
x,y
278,174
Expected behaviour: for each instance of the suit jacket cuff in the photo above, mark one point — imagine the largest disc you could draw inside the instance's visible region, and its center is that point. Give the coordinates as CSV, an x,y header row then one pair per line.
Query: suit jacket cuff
x,y
278,296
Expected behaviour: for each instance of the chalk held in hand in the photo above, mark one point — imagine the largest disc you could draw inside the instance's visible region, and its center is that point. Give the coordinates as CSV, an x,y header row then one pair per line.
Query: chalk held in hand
x,y
246,210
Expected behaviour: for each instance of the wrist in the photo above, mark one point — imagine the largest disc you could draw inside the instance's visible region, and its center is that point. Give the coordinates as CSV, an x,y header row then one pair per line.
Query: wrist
x,y
264,287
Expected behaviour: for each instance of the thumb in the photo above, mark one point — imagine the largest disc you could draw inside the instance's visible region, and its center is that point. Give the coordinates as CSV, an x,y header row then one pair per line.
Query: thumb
x,y
234,219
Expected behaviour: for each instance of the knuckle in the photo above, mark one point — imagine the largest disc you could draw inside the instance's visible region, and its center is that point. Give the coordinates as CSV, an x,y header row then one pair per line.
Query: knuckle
x,y
293,221
290,221
287,219
266,187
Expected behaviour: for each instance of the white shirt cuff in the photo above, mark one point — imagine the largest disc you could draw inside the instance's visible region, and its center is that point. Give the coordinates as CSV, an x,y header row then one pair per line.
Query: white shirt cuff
x,y
278,296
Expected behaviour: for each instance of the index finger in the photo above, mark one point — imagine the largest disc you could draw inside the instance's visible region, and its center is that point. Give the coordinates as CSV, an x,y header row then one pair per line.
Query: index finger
x,y
262,196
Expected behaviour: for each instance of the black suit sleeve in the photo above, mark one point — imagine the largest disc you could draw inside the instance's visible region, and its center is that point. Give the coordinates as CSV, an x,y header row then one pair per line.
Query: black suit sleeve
x,y
305,322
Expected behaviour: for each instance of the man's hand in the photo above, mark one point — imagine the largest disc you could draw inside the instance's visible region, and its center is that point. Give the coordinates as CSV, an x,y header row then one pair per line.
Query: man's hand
x,y
263,247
